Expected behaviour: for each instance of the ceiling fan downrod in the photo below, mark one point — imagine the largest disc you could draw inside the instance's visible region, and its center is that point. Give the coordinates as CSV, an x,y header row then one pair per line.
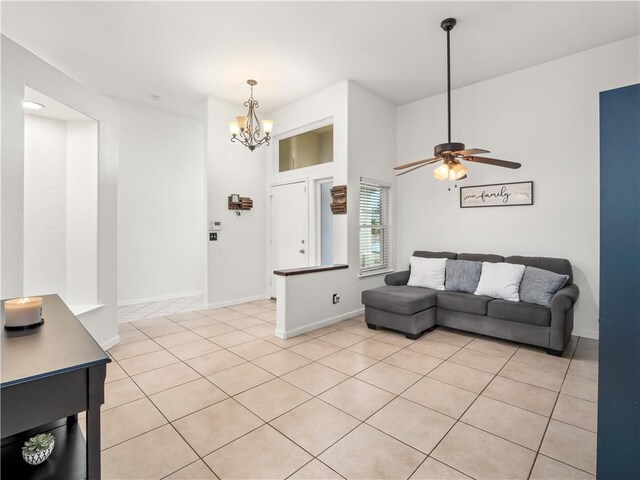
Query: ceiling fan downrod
x,y
447,25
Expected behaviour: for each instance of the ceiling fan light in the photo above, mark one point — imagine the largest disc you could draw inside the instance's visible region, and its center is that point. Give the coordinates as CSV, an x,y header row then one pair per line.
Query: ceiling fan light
x,y
459,171
442,172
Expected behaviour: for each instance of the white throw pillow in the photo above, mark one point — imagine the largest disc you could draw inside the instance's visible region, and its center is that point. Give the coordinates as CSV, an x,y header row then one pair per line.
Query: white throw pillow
x,y
500,280
427,272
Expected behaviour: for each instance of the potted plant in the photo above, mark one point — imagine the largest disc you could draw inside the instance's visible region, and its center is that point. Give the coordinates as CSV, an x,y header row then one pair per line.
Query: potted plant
x,y
37,449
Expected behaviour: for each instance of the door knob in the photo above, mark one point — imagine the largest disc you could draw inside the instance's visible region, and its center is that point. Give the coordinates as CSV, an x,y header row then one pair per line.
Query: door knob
x,y
302,250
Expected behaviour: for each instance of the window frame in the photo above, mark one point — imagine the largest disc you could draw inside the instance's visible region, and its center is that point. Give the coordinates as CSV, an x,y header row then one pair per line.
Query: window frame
x,y
384,226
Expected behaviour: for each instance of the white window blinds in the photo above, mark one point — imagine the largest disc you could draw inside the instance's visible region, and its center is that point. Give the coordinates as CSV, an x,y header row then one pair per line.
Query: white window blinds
x,y
374,227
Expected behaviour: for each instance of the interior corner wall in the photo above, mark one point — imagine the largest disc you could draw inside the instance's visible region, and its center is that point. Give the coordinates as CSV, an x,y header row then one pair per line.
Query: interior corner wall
x,y
545,117
60,208
21,68
160,205
235,262
45,212
372,155
82,209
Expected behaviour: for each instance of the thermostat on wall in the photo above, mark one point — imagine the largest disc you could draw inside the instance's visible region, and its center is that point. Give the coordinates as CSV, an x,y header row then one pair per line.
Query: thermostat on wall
x,y
215,225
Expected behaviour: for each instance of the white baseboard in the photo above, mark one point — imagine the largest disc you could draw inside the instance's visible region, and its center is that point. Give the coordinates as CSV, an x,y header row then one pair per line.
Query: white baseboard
x,y
236,301
171,296
316,325
110,343
594,334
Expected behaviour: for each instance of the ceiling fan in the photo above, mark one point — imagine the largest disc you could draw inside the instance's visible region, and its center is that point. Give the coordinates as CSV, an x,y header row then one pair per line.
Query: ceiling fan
x,y
452,153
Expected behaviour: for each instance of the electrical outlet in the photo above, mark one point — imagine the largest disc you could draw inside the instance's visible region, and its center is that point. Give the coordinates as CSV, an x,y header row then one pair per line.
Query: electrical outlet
x,y
213,236
336,298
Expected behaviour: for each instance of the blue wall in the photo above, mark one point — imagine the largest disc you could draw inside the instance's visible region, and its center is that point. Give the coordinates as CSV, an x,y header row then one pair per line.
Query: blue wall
x,y
619,359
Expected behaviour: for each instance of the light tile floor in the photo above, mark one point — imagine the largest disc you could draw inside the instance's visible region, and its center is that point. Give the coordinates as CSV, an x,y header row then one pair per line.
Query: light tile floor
x,y
130,313
206,393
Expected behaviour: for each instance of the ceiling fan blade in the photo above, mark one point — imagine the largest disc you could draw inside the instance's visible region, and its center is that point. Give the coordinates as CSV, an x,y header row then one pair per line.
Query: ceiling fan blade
x,y
415,168
493,161
471,151
426,161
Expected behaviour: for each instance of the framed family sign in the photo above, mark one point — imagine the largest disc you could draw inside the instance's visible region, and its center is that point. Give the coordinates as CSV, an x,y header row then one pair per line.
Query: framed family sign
x,y
497,195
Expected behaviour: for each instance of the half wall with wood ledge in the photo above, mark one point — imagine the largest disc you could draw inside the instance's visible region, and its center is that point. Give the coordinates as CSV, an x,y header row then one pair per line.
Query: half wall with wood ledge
x,y
305,298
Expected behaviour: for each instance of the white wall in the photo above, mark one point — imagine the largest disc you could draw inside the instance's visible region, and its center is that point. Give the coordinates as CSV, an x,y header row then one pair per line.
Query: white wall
x,y
360,150
236,261
545,117
160,205
20,68
82,212
60,208
45,181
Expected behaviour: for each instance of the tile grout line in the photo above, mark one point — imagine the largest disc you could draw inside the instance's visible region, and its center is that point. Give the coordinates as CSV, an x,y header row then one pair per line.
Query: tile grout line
x,y
552,411
171,422
458,420
349,376
229,397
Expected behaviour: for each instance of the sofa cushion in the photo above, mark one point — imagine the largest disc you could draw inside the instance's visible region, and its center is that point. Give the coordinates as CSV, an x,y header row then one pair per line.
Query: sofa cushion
x,y
463,302
481,257
561,266
462,275
519,312
400,299
500,280
428,254
539,286
427,272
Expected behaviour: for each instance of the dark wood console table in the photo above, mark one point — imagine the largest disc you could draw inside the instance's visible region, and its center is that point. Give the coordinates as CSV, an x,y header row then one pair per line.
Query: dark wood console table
x,y
49,375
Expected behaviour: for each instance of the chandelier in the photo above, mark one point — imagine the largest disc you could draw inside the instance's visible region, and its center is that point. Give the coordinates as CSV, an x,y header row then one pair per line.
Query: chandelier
x,y
246,129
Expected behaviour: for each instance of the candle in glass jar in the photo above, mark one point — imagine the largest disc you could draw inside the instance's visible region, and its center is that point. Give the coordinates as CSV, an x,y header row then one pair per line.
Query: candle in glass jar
x,y
22,312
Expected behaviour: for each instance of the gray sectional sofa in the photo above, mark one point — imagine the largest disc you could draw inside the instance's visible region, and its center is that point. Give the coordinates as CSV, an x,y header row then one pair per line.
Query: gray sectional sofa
x,y
414,310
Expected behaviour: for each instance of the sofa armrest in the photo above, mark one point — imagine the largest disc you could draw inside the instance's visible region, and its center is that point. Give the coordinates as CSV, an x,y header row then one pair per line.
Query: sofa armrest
x,y
397,278
562,316
564,298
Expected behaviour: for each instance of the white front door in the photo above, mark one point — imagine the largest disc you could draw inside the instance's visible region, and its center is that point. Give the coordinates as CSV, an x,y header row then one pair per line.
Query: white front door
x,y
289,228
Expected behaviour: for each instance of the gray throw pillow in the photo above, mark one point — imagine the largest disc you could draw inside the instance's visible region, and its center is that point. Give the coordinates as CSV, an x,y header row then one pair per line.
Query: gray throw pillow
x,y
462,275
539,286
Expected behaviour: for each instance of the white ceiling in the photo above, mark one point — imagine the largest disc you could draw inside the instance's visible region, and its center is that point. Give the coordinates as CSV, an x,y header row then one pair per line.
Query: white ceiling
x,y
183,51
52,108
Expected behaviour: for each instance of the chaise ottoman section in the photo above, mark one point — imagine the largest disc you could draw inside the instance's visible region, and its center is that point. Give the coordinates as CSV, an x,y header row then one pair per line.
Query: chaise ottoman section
x,y
410,310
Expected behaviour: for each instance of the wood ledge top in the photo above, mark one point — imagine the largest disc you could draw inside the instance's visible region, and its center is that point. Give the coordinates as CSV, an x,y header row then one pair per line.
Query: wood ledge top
x,y
305,270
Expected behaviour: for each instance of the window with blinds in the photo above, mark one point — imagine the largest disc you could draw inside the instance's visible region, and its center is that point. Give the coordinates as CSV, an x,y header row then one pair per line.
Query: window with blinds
x,y
374,227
